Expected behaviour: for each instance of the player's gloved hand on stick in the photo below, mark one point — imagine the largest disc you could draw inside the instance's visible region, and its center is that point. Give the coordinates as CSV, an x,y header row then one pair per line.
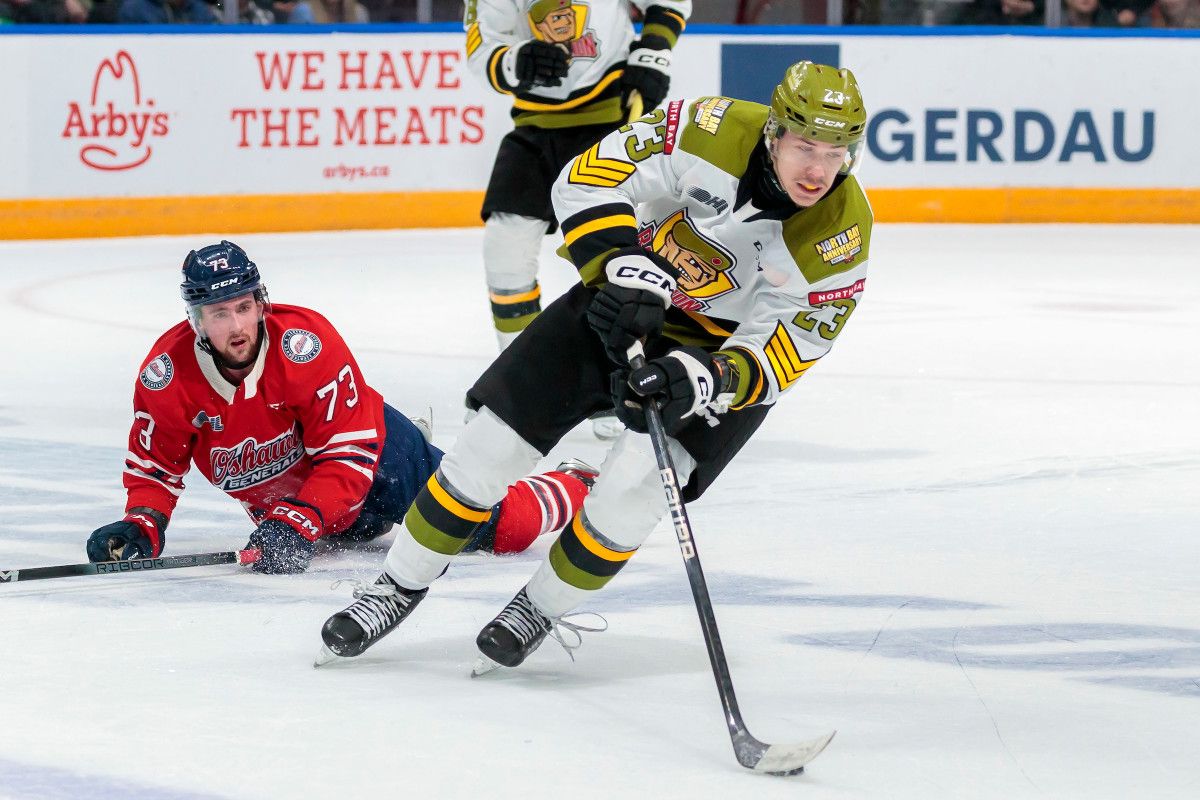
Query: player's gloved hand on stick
x,y
537,63
647,71
140,534
287,538
684,381
634,302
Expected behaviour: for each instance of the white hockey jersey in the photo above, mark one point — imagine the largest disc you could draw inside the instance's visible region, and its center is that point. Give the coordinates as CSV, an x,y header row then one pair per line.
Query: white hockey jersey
x,y
597,33
771,289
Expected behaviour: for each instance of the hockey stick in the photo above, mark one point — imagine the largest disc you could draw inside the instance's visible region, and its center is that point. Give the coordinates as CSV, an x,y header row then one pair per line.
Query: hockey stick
x,y
126,567
774,759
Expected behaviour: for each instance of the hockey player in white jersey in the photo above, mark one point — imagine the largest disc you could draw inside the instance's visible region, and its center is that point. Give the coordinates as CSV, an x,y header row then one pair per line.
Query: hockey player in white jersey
x,y
732,238
572,69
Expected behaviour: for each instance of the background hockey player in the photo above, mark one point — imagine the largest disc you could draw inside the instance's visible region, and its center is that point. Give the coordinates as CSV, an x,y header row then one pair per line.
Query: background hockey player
x,y
571,69
270,405
736,245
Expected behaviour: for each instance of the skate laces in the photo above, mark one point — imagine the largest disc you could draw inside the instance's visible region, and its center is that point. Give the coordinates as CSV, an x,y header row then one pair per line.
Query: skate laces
x,y
575,629
527,623
376,605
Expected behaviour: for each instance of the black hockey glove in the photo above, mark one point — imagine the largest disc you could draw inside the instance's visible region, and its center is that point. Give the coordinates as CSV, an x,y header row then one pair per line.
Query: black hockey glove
x,y
685,382
140,535
287,538
538,63
633,304
647,71
284,551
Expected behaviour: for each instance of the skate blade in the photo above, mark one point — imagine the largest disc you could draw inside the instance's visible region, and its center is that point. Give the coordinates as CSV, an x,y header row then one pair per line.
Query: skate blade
x,y
326,657
483,665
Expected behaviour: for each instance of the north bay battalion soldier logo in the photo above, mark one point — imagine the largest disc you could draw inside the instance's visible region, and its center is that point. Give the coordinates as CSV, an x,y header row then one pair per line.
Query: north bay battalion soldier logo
x,y
564,23
158,373
300,346
704,266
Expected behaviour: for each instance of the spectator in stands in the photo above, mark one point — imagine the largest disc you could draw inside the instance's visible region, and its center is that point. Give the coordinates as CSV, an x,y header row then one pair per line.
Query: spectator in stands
x,y
43,12
1005,12
1180,13
166,12
1129,13
326,12
1086,14
251,13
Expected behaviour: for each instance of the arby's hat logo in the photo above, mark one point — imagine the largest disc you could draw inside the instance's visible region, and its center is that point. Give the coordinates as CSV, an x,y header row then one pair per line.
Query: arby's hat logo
x,y
119,121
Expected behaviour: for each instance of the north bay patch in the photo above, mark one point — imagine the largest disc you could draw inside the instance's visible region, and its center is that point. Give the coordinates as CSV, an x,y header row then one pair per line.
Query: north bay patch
x,y
842,247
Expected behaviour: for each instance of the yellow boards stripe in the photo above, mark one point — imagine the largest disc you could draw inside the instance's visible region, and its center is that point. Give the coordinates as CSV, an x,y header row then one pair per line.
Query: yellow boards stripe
x,y
616,220
785,361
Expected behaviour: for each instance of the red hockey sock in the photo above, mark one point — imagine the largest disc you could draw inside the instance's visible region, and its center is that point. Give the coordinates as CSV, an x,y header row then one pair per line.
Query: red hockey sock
x,y
537,505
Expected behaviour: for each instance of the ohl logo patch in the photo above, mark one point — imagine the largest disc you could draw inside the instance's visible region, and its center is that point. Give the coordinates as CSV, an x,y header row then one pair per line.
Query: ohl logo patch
x,y
158,373
300,346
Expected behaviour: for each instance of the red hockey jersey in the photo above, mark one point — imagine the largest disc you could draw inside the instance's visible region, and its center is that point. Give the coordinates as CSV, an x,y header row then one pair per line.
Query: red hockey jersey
x,y
303,423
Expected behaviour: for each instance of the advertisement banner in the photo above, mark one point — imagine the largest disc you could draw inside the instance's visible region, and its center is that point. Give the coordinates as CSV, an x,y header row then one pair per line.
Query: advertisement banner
x,y
397,115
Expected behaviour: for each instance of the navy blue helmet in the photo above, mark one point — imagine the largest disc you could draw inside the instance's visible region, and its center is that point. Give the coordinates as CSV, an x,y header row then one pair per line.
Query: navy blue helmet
x,y
216,273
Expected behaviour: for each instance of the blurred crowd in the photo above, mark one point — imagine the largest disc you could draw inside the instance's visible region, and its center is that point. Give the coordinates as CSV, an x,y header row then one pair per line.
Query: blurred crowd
x,y
191,12
1075,13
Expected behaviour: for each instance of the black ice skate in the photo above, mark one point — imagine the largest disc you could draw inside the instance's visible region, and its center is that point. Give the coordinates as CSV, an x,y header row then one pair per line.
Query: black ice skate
x,y
376,610
520,629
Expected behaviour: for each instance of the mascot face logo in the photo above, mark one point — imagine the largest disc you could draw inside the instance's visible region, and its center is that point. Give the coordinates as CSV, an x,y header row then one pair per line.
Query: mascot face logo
x,y
564,23
703,264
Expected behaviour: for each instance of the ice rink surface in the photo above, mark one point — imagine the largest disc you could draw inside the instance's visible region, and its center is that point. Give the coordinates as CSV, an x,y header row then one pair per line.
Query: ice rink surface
x,y
969,540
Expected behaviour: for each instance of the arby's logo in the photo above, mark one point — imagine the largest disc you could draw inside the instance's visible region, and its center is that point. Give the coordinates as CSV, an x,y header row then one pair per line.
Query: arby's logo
x,y
119,121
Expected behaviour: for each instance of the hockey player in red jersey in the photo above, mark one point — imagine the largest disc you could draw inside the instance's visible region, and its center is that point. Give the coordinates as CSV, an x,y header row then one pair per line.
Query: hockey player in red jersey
x,y
269,404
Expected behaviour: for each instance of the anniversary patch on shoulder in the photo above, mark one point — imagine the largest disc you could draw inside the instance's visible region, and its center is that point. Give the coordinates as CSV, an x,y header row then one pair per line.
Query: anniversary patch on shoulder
x,y
842,247
710,112
300,346
158,373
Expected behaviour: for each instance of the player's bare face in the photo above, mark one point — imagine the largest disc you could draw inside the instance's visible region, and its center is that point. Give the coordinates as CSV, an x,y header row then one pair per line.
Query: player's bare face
x,y
232,328
805,168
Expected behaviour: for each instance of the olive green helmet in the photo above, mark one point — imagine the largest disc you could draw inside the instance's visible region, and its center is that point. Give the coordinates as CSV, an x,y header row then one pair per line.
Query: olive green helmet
x,y
821,103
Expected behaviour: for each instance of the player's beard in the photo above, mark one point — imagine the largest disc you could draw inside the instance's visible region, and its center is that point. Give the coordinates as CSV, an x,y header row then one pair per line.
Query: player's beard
x,y
228,363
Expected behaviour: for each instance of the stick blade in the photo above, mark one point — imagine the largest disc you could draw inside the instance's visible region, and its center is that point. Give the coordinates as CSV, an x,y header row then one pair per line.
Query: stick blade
x,y
789,759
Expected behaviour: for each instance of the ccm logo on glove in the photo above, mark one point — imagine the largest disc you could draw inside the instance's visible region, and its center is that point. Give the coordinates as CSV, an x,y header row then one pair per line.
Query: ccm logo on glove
x,y
655,59
297,520
649,277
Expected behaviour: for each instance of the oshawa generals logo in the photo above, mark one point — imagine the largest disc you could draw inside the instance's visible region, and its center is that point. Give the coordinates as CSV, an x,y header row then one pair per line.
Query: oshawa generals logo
x,y
248,462
118,121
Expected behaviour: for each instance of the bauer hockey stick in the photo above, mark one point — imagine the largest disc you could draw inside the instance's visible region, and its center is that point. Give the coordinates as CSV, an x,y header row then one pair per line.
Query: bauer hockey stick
x,y
773,759
126,567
